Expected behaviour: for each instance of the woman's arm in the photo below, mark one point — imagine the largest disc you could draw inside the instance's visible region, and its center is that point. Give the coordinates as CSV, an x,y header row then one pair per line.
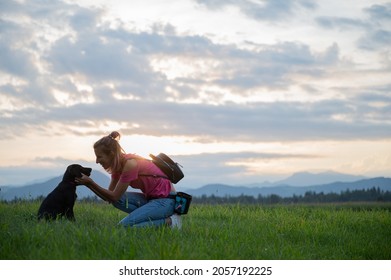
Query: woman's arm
x,y
116,188
107,194
94,187
98,194
113,184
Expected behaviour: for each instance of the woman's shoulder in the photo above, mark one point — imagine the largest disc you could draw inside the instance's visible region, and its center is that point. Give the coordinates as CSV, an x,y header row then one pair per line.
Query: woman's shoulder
x,y
130,164
133,156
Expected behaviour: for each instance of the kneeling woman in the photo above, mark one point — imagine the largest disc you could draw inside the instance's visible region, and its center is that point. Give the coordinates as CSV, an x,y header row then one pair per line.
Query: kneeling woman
x,y
153,206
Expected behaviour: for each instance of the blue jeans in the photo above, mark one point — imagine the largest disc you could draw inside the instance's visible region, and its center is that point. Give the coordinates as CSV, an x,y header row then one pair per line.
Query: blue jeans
x,y
144,212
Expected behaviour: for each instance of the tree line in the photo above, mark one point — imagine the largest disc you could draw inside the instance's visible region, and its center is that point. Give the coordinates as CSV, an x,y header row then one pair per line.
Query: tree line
x,y
374,194
365,195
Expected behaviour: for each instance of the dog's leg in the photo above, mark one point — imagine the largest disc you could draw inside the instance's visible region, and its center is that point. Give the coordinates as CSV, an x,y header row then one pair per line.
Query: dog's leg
x,y
70,215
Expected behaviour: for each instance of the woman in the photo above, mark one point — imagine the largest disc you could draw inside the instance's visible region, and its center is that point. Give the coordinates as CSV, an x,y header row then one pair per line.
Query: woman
x,y
153,206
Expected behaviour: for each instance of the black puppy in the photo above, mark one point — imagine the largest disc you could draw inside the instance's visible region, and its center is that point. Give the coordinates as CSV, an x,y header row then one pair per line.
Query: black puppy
x,y
60,202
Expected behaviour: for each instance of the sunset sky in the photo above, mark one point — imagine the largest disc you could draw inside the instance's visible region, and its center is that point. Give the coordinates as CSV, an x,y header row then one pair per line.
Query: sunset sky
x,y
236,91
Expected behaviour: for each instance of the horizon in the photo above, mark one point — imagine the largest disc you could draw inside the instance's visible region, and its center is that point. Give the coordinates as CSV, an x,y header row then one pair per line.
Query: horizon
x,y
321,183
235,91
304,176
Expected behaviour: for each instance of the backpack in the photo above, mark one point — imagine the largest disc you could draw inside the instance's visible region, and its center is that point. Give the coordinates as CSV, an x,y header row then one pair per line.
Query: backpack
x,y
174,173
168,166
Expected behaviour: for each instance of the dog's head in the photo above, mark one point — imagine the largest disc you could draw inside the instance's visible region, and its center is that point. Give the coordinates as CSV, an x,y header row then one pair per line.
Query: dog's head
x,y
75,170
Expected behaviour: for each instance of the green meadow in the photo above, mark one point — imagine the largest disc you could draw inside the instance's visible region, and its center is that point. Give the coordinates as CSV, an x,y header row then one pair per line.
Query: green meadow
x,y
211,232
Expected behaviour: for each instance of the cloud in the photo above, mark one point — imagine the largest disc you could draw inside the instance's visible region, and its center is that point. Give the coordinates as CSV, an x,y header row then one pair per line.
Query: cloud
x,y
377,39
380,12
377,15
268,10
376,27
278,121
340,22
89,61
16,62
99,68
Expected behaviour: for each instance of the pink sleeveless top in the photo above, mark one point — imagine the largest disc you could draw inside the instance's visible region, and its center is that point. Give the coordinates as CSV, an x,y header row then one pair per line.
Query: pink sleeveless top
x,y
152,187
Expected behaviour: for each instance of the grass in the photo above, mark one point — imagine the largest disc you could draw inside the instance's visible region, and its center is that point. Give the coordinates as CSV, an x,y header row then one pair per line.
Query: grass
x,y
232,232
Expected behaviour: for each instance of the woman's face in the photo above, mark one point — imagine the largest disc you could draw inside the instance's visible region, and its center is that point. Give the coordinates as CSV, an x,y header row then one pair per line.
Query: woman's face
x,y
105,160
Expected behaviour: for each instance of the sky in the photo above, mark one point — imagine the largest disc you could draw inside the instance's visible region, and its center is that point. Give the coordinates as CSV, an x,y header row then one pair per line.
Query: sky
x,y
237,92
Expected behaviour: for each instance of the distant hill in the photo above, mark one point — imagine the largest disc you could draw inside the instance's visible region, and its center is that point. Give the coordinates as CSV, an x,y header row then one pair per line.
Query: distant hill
x,y
302,179
43,189
222,190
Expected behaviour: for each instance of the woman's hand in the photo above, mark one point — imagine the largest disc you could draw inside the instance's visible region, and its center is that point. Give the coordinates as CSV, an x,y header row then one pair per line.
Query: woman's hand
x,y
84,180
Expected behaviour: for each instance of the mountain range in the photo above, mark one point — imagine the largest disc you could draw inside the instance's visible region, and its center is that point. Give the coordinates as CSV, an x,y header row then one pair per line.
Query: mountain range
x,y
301,179
297,184
221,190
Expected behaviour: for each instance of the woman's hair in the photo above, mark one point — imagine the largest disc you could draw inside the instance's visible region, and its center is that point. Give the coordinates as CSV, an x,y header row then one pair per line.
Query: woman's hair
x,y
110,146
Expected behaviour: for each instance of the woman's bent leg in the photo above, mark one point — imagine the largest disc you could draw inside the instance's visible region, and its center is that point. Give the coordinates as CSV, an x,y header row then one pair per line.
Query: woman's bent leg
x,y
130,201
152,213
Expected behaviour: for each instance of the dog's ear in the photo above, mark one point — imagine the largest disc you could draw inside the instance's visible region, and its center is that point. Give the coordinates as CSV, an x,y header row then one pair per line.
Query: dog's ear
x,y
69,169
76,170
79,170
70,172
86,170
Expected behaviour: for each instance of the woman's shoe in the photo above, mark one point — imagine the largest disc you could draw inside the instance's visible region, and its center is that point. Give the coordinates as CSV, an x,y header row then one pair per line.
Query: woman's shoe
x,y
176,221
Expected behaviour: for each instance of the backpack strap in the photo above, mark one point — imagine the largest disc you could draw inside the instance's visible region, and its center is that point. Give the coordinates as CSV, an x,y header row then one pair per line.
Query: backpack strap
x,y
134,156
154,175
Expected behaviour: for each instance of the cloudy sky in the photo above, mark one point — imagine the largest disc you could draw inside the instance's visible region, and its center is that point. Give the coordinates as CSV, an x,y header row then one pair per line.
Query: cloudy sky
x,y
236,91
